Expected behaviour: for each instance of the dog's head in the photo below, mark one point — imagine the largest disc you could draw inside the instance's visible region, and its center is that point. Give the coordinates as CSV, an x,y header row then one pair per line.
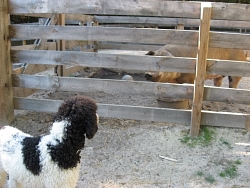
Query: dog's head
x,y
80,113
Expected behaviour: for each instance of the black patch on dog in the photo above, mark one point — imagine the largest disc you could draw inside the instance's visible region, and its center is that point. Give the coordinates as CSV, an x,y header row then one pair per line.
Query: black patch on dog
x,y
31,154
64,155
230,79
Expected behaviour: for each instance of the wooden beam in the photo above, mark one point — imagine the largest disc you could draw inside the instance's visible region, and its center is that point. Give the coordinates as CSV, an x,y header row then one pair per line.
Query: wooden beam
x,y
61,46
129,61
200,68
6,92
111,7
24,47
230,11
229,40
127,46
140,63
234,120
161,21
152,89
134,35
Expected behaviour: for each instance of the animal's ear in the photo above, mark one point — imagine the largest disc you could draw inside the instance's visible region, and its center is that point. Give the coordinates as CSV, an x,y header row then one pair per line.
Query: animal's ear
x,y
150,53
92,127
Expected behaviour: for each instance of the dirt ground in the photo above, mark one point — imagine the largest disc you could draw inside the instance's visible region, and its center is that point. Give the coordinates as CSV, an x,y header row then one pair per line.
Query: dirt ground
x,y
128,153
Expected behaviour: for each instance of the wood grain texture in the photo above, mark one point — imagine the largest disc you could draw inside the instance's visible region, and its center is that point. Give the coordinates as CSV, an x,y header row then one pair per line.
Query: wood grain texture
x,y
141,63
157,90
230,11
6,92
221,119
200,69
227,11
132,35
161,21
110,7
129,61
147,36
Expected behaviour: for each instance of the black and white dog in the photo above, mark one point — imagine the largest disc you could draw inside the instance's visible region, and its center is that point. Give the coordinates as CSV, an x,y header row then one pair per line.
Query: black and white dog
x,y
51,161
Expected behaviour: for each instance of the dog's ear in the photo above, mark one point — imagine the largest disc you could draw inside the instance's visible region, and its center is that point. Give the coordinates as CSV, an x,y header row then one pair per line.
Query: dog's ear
x,y
92,127
150,53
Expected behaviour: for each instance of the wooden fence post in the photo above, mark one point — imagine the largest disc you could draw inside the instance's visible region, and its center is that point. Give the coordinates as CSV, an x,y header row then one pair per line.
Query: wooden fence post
x,y
61,46
6,92
201,64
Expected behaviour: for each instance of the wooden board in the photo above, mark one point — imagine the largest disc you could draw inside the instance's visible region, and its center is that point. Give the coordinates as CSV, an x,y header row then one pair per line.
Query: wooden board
x,y
110,7
129,61
127,46
142,113
157,90
24,47
147,36
78,17
230,11
141,63
161,21
232,68
229,40
6,93
201,65
133,35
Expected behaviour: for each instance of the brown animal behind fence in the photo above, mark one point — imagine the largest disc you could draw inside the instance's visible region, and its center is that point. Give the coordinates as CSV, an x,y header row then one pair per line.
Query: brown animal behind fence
x,y
189,51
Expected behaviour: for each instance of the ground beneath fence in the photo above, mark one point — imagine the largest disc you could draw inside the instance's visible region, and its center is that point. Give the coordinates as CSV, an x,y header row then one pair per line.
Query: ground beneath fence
x,y
139,154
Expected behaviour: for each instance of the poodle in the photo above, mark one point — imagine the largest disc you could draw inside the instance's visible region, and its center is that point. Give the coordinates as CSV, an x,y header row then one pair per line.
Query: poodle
x,y
53,160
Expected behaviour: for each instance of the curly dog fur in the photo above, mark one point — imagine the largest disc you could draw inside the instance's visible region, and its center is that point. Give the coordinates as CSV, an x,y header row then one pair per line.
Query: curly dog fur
x,y
52,160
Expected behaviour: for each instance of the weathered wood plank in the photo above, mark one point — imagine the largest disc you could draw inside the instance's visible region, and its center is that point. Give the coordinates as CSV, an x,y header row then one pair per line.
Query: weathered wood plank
x,y
127,46
78,17
105,85
161,21
232,68
229,40
24,47
141,113
140,63
201,65
110,7
230,11
157,90
6,92
225,11
132,35
150,36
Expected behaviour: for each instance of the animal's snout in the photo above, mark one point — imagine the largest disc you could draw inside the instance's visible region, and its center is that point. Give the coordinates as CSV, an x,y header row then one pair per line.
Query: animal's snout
x,y
148,76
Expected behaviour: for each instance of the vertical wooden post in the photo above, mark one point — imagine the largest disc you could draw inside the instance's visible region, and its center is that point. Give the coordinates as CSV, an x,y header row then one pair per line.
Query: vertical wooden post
x,y
201,63
96,42
6,92
61,45
180,26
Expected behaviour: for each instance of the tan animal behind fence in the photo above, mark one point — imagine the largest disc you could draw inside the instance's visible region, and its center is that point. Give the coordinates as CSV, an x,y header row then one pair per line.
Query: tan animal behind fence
x,y
189,51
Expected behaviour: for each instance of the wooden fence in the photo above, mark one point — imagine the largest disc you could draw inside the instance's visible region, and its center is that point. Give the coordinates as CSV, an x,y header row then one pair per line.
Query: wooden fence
x,y
127,12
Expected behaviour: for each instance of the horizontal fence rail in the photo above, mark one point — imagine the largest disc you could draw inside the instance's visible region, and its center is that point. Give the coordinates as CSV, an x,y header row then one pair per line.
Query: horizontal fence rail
x,y
147,36
141,63
163,8
157,90
233,120
161,21
135,35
